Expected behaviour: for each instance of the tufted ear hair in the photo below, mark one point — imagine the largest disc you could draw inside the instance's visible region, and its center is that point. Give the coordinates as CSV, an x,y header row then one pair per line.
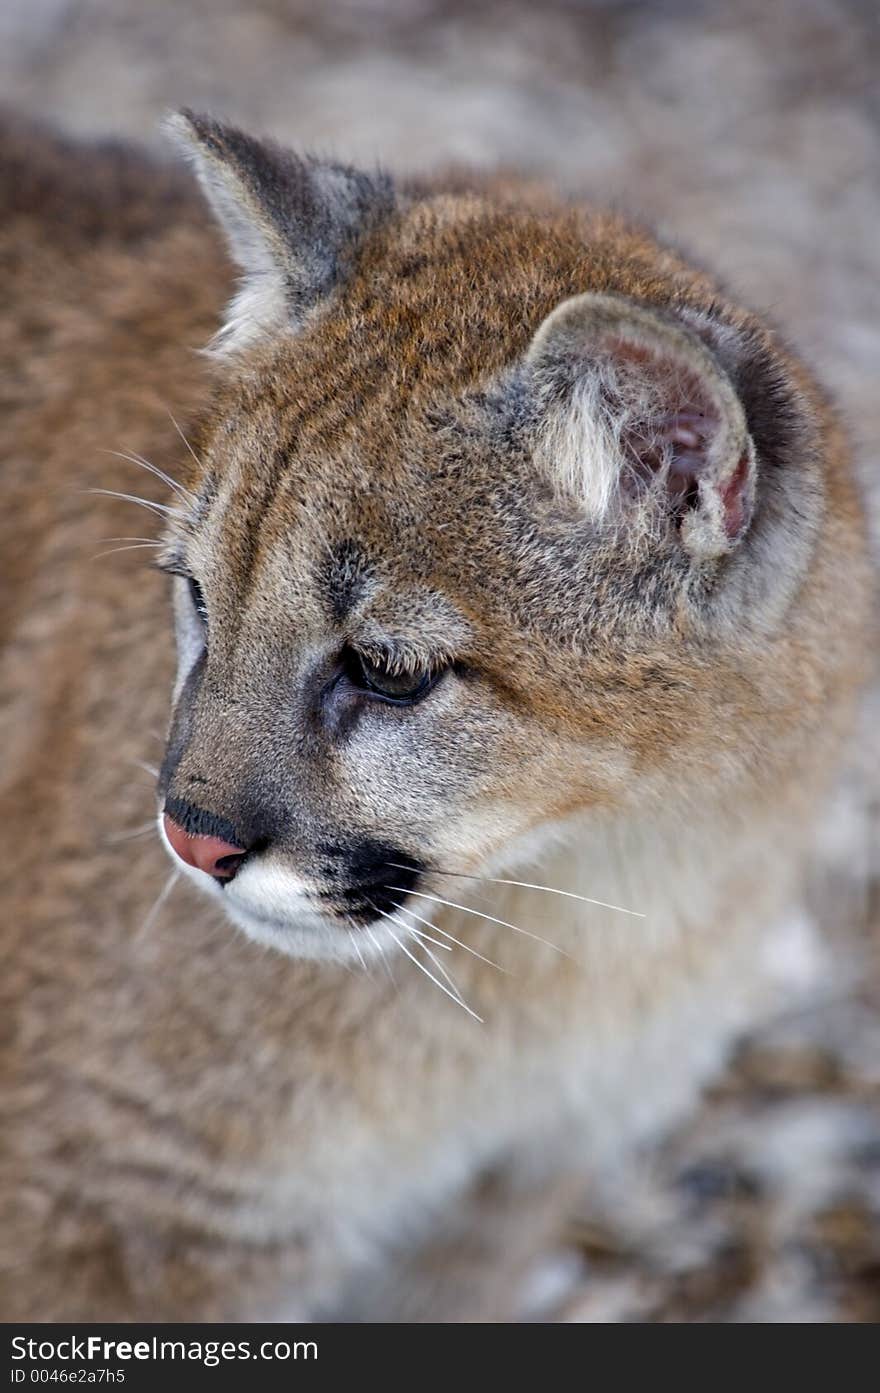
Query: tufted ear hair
x,y
292,222
639,420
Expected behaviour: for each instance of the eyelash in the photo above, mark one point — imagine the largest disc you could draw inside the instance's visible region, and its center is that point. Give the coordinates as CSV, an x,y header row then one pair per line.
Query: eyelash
x,y
198,599
379,681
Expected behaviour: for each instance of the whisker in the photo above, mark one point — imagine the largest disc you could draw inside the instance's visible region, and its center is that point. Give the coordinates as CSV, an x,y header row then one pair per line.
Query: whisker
x,y
380,949
132,546
131,834
357,949
437,983
466,909
453,994
419,936
420,933
416,935
157,906
154,541
526,885
132,458
150,769
162,509
466,946
408,928
184,439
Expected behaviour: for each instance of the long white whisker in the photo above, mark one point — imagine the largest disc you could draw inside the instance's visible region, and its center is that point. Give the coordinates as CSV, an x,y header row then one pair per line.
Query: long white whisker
x,y
420,933
526,885
131,834
357,949
416,935
130,546
162,509
154,541
437,983
466,909
184,439
147,768
132,458
422,938
417,938
157,906
454,993
466,946
380,949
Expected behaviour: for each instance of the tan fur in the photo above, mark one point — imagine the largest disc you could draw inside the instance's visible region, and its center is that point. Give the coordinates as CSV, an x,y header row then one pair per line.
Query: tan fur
x,y
196,1128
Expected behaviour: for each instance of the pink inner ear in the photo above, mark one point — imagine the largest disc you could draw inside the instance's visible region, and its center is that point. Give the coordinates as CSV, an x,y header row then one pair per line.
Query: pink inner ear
x,y
674,421
733,499
687,434
681,442
687,429
681,419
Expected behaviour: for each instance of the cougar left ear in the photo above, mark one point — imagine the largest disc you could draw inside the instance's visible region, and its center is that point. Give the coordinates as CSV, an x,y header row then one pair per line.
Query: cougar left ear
x,y
291,222
638,418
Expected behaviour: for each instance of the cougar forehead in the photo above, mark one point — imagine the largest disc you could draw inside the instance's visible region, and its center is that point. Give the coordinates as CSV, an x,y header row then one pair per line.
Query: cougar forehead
x,y
379,451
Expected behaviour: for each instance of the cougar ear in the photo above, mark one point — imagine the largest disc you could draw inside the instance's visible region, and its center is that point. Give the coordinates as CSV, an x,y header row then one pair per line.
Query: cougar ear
x,y
638,419
292,222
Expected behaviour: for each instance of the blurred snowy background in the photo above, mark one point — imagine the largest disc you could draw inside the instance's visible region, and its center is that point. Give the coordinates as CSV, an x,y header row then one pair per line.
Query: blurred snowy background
x,y
749,133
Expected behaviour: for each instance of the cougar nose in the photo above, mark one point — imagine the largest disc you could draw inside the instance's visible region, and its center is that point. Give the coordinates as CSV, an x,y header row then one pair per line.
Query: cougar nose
x,y
209,854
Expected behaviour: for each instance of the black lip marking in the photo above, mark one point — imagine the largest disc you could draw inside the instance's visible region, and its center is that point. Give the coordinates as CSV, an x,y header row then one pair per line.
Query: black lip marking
x,y
375,879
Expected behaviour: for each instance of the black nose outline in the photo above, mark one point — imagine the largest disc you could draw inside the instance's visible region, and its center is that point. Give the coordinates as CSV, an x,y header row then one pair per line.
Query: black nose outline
x,y
198,822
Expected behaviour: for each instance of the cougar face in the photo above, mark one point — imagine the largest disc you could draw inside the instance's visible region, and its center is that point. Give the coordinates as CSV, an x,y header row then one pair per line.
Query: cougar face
x,y
490,511
356,701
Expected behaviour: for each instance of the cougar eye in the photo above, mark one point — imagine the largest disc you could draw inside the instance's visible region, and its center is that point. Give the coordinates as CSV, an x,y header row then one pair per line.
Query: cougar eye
x,y
401,687
198,599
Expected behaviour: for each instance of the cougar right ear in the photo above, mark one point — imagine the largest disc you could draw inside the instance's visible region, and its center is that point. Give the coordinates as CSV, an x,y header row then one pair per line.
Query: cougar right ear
x,y
637,414
292,222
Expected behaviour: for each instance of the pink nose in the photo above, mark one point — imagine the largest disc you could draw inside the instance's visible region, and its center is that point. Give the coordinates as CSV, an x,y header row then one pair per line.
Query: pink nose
x,y
209,854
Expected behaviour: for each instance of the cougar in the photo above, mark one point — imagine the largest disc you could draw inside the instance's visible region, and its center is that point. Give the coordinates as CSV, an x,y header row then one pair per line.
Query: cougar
x,y
520,599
